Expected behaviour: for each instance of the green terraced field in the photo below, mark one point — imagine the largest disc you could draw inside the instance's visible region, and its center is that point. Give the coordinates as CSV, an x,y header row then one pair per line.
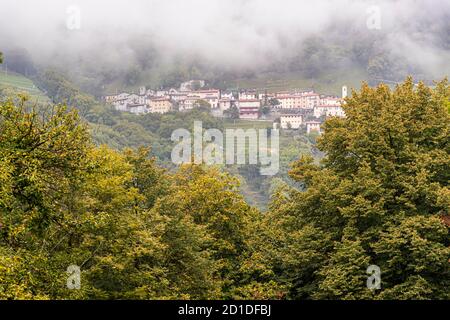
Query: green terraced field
x,y
246,124
22,84
327,83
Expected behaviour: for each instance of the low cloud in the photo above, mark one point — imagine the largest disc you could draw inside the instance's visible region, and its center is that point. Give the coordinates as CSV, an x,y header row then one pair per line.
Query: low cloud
x,y
228,34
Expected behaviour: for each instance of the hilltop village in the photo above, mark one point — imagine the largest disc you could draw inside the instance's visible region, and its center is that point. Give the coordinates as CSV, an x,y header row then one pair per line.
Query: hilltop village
x,y
288,109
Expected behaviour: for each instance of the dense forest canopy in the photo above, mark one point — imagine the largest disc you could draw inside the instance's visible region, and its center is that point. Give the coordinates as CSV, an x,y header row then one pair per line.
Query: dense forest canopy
x,y
121,130
358,210
138,231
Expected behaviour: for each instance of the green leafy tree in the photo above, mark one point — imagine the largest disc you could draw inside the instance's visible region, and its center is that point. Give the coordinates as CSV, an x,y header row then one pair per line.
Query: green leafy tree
x,y
274,102
205,203
135,231
63,201
377,198
232,112
264,110
41,160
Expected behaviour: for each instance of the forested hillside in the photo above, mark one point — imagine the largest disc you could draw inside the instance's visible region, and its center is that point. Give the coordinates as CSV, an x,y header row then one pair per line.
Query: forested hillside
x,y
121,130
137,231
244,151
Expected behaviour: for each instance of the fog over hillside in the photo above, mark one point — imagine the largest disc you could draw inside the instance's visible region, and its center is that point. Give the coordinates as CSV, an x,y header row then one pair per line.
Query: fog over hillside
x,y
230,35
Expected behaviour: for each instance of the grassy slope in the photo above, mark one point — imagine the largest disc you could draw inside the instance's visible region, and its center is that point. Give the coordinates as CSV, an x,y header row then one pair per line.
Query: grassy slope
x,y
246,124
327,83
22,84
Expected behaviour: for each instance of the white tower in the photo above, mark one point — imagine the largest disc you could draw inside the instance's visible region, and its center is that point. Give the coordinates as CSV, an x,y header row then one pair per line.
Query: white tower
x,y
344,92
142,91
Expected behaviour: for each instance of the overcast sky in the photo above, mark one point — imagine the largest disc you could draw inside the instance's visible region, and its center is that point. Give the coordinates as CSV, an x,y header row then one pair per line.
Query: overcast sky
x,y
236,32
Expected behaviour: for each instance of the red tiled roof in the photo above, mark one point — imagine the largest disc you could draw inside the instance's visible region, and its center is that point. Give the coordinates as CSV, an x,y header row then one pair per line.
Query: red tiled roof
x,y
249,100
288,97
206,91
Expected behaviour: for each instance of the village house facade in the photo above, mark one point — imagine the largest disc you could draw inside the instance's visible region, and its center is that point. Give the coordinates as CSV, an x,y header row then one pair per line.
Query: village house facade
x,y
330,101
138,108
225,103
178,96
248,95
291,121
329,111
210,96
300,102
160,105
188,103
312,126
249,108
227,95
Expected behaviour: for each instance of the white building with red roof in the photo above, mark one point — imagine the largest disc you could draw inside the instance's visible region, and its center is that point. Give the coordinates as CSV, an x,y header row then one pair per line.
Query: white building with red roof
x,y
160,104
249,108
329,111
291,121
299,101
312,126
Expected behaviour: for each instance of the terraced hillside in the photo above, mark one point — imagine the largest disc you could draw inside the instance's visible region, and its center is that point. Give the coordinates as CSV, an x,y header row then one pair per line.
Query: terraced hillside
x,y
326,83
20,83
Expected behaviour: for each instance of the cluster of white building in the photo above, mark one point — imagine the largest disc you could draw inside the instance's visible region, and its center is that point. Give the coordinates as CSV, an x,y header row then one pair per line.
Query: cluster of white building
x,y
248,103
163,101
321,105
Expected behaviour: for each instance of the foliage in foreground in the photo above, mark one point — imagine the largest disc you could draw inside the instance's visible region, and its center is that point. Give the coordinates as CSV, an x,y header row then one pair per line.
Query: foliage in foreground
x,y
379,198
139,232
135,231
